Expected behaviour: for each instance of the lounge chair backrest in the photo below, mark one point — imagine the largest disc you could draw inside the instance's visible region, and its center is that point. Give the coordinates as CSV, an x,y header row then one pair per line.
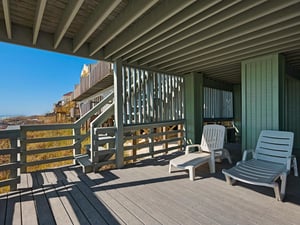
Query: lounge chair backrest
x,y
212,137
274,146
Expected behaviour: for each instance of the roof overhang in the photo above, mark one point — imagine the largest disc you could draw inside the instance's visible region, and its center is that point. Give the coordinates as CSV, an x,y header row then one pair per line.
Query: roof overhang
x,y
174,36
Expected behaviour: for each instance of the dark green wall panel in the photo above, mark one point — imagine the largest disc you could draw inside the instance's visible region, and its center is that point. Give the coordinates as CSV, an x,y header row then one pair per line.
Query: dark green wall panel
x,y
293,110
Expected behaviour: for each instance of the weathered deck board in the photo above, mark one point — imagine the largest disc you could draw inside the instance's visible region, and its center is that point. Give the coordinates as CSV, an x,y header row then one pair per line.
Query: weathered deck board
x,y
144,194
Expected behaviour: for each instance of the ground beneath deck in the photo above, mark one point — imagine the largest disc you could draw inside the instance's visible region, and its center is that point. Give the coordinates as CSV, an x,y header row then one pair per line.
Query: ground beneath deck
x,y
145,194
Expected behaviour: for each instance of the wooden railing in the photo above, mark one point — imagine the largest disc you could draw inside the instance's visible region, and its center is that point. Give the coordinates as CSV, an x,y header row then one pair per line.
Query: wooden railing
x,y
9,163
36,147
145,140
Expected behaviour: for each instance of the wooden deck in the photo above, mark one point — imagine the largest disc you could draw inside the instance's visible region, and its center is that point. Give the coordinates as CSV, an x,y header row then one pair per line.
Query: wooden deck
x,y
144,194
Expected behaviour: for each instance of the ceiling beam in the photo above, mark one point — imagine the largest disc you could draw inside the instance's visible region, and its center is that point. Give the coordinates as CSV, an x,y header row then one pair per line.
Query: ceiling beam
x,y
7,18
140,51
66,20
229,51
39,12
101,12
278,46
246,14
162,12
133,10
213,16
249,31
188,13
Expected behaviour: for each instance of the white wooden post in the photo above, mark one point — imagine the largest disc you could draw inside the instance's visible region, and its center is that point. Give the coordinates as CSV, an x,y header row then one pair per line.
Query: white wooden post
x,y
118,98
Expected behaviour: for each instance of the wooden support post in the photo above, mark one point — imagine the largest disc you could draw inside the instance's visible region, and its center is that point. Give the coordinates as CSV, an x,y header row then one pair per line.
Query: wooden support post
x,y
76,144
118,99
151,144
134,143
165,137
13,159
23,150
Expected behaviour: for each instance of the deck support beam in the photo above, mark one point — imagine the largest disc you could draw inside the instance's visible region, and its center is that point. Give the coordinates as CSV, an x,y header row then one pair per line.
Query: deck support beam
x,y
194,106
118,90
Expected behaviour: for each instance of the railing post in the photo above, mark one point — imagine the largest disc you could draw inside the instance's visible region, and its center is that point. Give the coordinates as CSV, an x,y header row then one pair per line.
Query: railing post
x,y
14,158
118,93
23,149
77,145
151,144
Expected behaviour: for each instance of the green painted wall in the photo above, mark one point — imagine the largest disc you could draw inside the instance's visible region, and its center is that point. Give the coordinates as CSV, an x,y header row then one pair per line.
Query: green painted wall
x,y
262,106
293,110
193,106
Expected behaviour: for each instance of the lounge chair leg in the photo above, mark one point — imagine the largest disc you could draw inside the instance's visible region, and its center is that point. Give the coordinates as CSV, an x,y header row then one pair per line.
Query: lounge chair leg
x,y
192,173
211,164
295,166
227,155
283,185
170,167
277,193
228,180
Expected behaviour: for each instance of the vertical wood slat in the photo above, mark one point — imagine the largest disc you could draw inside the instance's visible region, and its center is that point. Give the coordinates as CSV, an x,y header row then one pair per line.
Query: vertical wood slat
x,y
139,96
125,94
134,96
144,99
129,96
151,96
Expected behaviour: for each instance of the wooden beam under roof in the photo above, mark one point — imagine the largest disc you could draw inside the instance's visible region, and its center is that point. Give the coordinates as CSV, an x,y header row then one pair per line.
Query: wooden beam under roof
x,y
158,15
5,4
133,10
284,46
189,12
139,52
102,11
203,30
222,42
41,5
65,22
223,52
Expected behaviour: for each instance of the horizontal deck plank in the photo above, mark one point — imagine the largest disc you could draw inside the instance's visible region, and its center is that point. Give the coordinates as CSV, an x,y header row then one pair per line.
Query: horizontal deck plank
x,y
145,193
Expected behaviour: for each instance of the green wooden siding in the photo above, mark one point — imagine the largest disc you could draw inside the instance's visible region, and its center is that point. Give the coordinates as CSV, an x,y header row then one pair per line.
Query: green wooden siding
x,y
293,110
260,97
193,106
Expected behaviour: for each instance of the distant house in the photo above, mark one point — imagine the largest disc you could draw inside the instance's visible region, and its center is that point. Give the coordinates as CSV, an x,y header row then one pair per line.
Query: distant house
x,y
96,82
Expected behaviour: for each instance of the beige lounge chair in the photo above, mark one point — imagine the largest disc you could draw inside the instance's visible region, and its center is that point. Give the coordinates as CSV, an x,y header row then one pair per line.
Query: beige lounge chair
x,y
211,147
270,161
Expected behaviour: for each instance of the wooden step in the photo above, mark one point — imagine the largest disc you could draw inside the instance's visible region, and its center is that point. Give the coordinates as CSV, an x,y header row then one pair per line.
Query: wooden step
x,y
84,161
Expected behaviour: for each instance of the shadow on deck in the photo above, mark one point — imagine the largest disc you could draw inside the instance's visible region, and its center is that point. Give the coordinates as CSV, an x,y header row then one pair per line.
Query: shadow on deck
x,y
145,193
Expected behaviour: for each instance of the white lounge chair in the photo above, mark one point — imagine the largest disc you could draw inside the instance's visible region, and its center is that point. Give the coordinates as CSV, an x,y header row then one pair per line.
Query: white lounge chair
x,y
211,147
270,161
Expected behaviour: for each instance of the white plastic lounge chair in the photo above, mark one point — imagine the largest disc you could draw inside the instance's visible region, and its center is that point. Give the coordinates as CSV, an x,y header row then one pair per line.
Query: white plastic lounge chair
x,y
270,161
211,146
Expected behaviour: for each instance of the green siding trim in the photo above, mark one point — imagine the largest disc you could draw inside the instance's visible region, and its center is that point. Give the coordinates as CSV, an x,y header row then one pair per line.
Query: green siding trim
x,y
261,107
193,106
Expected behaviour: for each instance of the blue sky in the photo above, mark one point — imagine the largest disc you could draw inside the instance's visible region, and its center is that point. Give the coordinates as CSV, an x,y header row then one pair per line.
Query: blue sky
x,y
33,80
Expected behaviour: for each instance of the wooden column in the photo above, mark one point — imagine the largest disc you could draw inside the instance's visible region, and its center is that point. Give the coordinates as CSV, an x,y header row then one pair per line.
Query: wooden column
x,y
194,106
118,99
262,97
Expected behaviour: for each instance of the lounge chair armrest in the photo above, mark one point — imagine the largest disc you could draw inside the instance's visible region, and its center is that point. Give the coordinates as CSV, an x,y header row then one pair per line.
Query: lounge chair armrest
x,y
187,148
246,153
